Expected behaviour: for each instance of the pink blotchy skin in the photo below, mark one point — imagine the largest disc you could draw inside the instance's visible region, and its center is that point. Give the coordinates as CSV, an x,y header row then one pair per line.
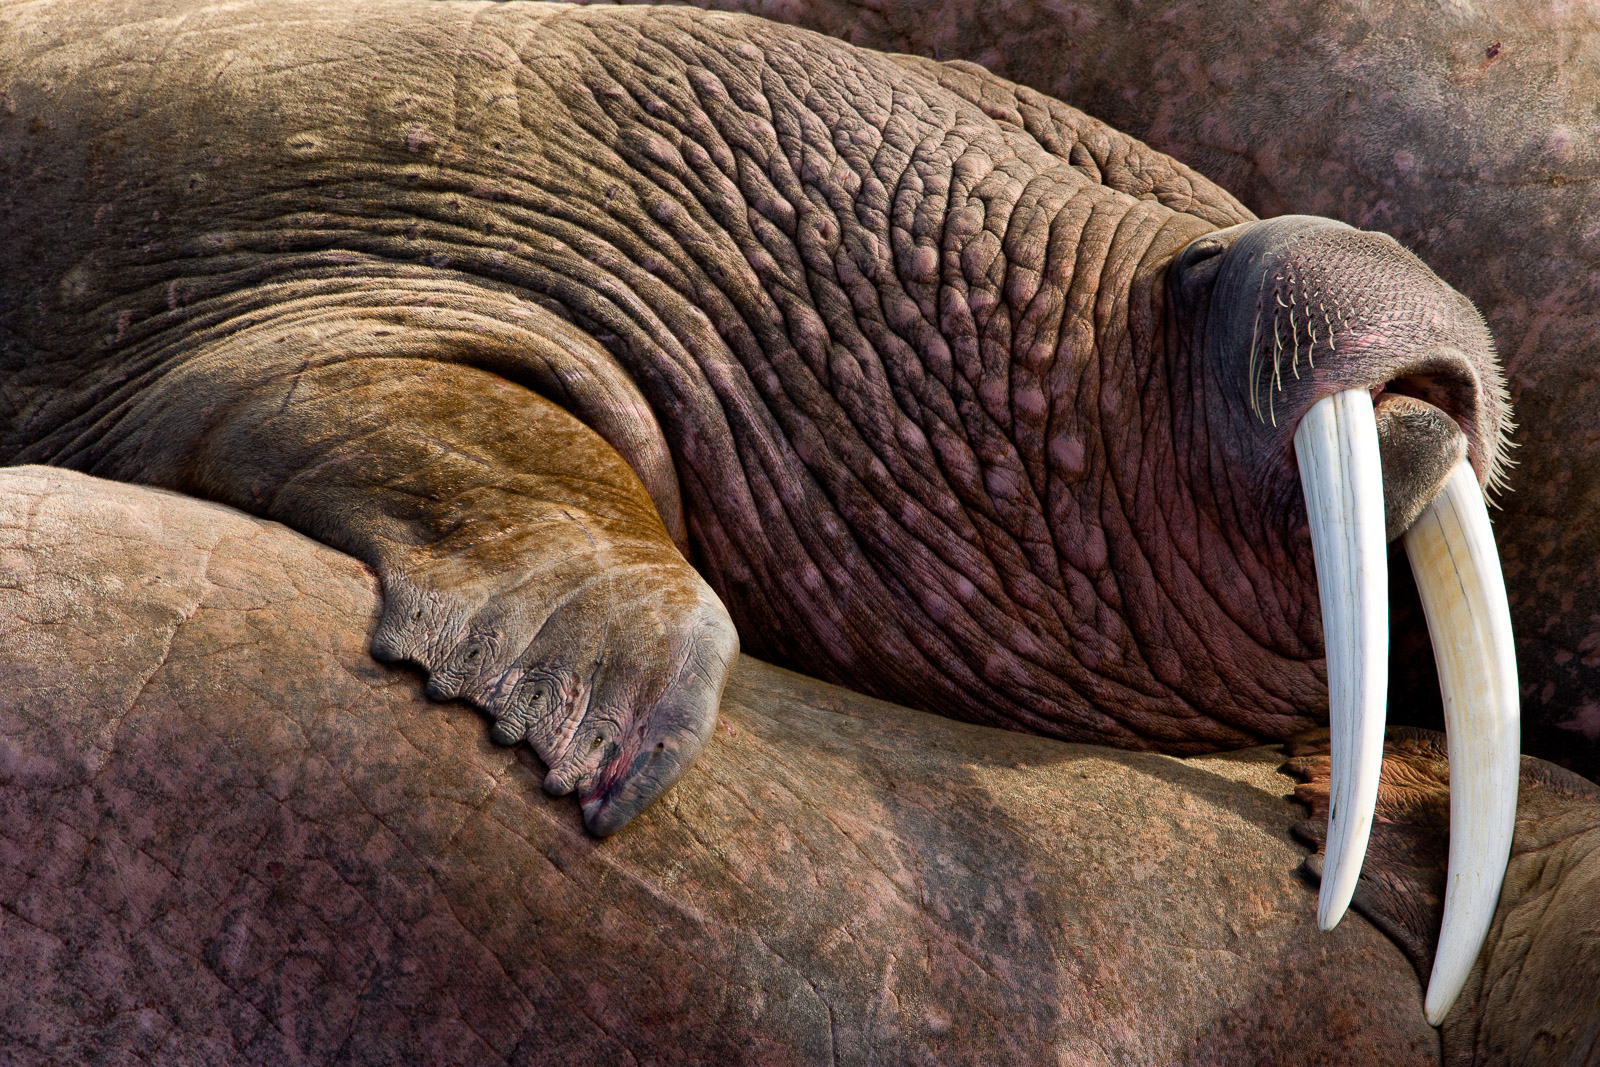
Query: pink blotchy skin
x,y
268,849
1468,132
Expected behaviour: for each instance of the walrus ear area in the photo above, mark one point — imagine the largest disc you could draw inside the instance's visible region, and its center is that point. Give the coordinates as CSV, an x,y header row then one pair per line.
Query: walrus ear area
x,y
1401,889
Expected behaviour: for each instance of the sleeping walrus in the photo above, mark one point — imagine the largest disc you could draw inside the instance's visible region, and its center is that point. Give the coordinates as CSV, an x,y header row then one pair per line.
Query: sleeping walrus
x,y
612,339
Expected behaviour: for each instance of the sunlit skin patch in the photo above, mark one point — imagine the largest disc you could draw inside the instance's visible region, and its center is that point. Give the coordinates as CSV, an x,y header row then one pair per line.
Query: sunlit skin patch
x,y
925,376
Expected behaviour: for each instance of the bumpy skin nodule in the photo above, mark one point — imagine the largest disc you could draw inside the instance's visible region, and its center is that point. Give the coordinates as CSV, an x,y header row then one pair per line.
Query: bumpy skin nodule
x,y
897,340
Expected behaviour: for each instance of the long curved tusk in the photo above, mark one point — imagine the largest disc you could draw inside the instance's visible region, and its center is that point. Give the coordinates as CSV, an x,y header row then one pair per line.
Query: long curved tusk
x,y
1452,552
1336,446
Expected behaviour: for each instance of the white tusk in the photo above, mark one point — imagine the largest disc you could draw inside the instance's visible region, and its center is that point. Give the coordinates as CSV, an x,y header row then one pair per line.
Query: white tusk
x,y
1452,553
1336,445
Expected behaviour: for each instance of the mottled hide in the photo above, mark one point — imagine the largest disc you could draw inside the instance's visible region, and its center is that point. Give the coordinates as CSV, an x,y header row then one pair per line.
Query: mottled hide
x,y
904,356
230,837
529,308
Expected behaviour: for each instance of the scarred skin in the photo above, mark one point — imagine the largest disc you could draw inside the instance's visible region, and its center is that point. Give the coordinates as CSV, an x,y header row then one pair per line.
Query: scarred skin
x,y
1468,131
236,838
905,357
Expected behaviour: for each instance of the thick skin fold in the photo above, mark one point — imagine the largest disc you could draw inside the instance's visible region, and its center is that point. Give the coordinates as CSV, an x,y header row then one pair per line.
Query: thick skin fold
x,y
1336,446
237,839
1457,568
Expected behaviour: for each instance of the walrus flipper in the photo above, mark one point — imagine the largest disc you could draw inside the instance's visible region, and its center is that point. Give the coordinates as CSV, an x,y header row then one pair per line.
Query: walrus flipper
x,y
523,564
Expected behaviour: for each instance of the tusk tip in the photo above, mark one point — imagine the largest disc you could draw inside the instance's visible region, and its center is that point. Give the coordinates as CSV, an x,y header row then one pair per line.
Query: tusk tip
x,y
1435,1012
1333,900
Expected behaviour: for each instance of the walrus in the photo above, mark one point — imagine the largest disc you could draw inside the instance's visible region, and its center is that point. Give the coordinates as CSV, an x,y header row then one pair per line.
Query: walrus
x,y
238,839
612,340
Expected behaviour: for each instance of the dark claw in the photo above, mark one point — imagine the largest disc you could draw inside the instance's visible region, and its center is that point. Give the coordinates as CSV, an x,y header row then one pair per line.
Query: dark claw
x,y
649,771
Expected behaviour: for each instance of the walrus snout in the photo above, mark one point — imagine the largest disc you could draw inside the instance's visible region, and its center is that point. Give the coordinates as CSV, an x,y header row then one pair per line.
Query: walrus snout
x,y
1298,308
1418,446
1340,349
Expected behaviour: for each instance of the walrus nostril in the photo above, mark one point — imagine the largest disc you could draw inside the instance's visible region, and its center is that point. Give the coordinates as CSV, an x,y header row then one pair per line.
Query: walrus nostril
x,y
1450,393
1446,385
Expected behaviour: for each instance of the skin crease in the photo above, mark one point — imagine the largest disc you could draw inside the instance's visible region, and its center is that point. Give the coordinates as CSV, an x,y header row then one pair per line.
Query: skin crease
x,y
239,839
1468,132
938,428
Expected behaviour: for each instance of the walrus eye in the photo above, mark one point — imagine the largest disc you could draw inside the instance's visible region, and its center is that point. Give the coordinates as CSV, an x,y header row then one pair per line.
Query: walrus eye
x,y
1196,267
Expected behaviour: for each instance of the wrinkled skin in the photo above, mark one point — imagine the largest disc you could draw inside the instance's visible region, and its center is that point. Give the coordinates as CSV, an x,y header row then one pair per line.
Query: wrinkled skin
x,y
230,836
1468,131
904,357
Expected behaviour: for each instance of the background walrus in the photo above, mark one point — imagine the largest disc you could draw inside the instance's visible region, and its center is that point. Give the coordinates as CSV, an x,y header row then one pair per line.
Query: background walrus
x,y
239,839
948,390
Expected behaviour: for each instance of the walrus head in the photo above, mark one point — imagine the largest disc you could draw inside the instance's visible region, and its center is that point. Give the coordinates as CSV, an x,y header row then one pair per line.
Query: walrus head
x,y
1336,352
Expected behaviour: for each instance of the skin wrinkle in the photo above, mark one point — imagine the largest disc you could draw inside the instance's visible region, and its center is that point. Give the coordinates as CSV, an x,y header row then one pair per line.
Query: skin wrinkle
x,y
397,935
45,931
1135,566
872,859
16,914
266,1019
1245,533
1185,559
657,894
1520,930
529,906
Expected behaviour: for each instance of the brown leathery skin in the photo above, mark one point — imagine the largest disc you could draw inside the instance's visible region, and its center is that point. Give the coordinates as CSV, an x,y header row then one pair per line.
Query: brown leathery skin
x,y
523,564
230,836
1534,996
1468,131
904,327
